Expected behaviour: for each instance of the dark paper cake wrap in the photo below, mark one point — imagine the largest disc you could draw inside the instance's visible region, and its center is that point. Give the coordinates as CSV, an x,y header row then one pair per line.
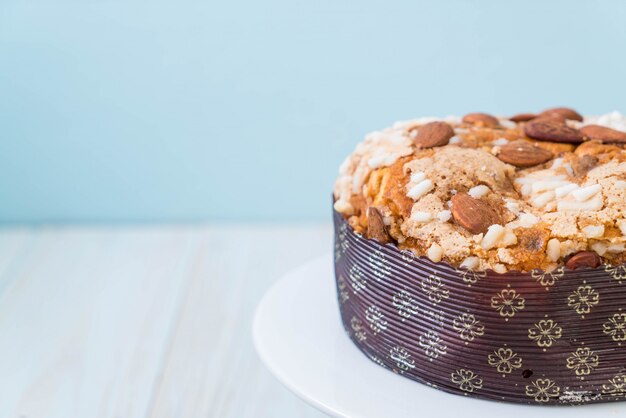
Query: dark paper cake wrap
x,y
539,338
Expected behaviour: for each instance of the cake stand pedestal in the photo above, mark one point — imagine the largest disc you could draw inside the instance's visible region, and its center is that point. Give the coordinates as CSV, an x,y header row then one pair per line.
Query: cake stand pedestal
x,y
299,337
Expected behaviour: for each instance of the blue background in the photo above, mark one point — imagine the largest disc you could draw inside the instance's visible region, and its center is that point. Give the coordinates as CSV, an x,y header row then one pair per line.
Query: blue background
x,y
185,110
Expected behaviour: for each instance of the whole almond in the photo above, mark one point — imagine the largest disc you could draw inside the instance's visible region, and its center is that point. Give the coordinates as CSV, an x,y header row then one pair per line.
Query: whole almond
x,y
551,118
603,134
376,228
552,131
583,164
523,117
522,153
473,214
433,134
565,112
481,119
583,259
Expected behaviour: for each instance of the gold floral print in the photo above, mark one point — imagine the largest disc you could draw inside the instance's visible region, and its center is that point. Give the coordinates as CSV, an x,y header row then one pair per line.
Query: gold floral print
x,y
468,327
616,386
542,390
377,360
615,327
434,289
402,358
357,278
359,330
583,361
548,278
405,304
344,244
407,256
467,380
617,273
583,299
379,264
469,276
376,319
507,303
433,345
545,332
437,318
504,360
342,288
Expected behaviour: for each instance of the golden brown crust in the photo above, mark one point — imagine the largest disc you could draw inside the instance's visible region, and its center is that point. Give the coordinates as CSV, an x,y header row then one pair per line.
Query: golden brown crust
x,y
546,212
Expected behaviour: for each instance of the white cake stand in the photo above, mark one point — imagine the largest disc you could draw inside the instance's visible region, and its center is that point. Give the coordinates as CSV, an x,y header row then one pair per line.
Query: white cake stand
x,y
299,336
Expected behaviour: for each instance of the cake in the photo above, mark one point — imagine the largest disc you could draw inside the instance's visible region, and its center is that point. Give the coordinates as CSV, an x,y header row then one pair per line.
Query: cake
x,y
485,255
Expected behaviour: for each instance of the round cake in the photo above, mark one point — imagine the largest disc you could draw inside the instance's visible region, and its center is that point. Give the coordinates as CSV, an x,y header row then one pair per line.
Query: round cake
x,y
485,255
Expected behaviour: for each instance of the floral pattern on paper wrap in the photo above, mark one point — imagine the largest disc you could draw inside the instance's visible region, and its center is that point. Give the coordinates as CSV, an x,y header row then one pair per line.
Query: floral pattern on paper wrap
x,y
504,360
542,390
437,318
615,386
402,358
407,256
617,273
379,265
615,327
405,304
570,338
468,327
434,288
470,276
548,278
357,278
583,299
545,333
342,244
376,319
583,361
378,361
433,345
342,288
467,380
358,329
507,303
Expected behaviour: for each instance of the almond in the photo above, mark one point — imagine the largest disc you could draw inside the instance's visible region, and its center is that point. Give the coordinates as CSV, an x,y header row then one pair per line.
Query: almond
x,y
376,228
433,134
552,131
523,117
583,164
522,153
583,259
603,134
564,112
475,215
551,118
481,119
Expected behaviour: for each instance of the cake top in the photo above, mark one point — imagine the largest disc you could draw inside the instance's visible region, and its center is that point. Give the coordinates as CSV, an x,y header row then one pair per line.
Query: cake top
x,y
532,191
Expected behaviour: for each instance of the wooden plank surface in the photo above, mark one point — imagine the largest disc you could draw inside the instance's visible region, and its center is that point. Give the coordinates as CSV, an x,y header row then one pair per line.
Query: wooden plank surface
x,y
142,321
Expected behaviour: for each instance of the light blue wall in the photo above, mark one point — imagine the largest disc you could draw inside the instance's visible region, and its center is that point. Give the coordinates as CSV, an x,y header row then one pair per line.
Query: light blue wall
x,y
185,110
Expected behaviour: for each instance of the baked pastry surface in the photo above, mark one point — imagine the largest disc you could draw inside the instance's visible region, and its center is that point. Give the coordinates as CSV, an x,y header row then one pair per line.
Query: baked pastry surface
x,y
533,191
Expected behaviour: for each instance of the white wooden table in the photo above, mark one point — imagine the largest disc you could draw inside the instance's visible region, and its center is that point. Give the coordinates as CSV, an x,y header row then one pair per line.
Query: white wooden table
x,y
142,321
